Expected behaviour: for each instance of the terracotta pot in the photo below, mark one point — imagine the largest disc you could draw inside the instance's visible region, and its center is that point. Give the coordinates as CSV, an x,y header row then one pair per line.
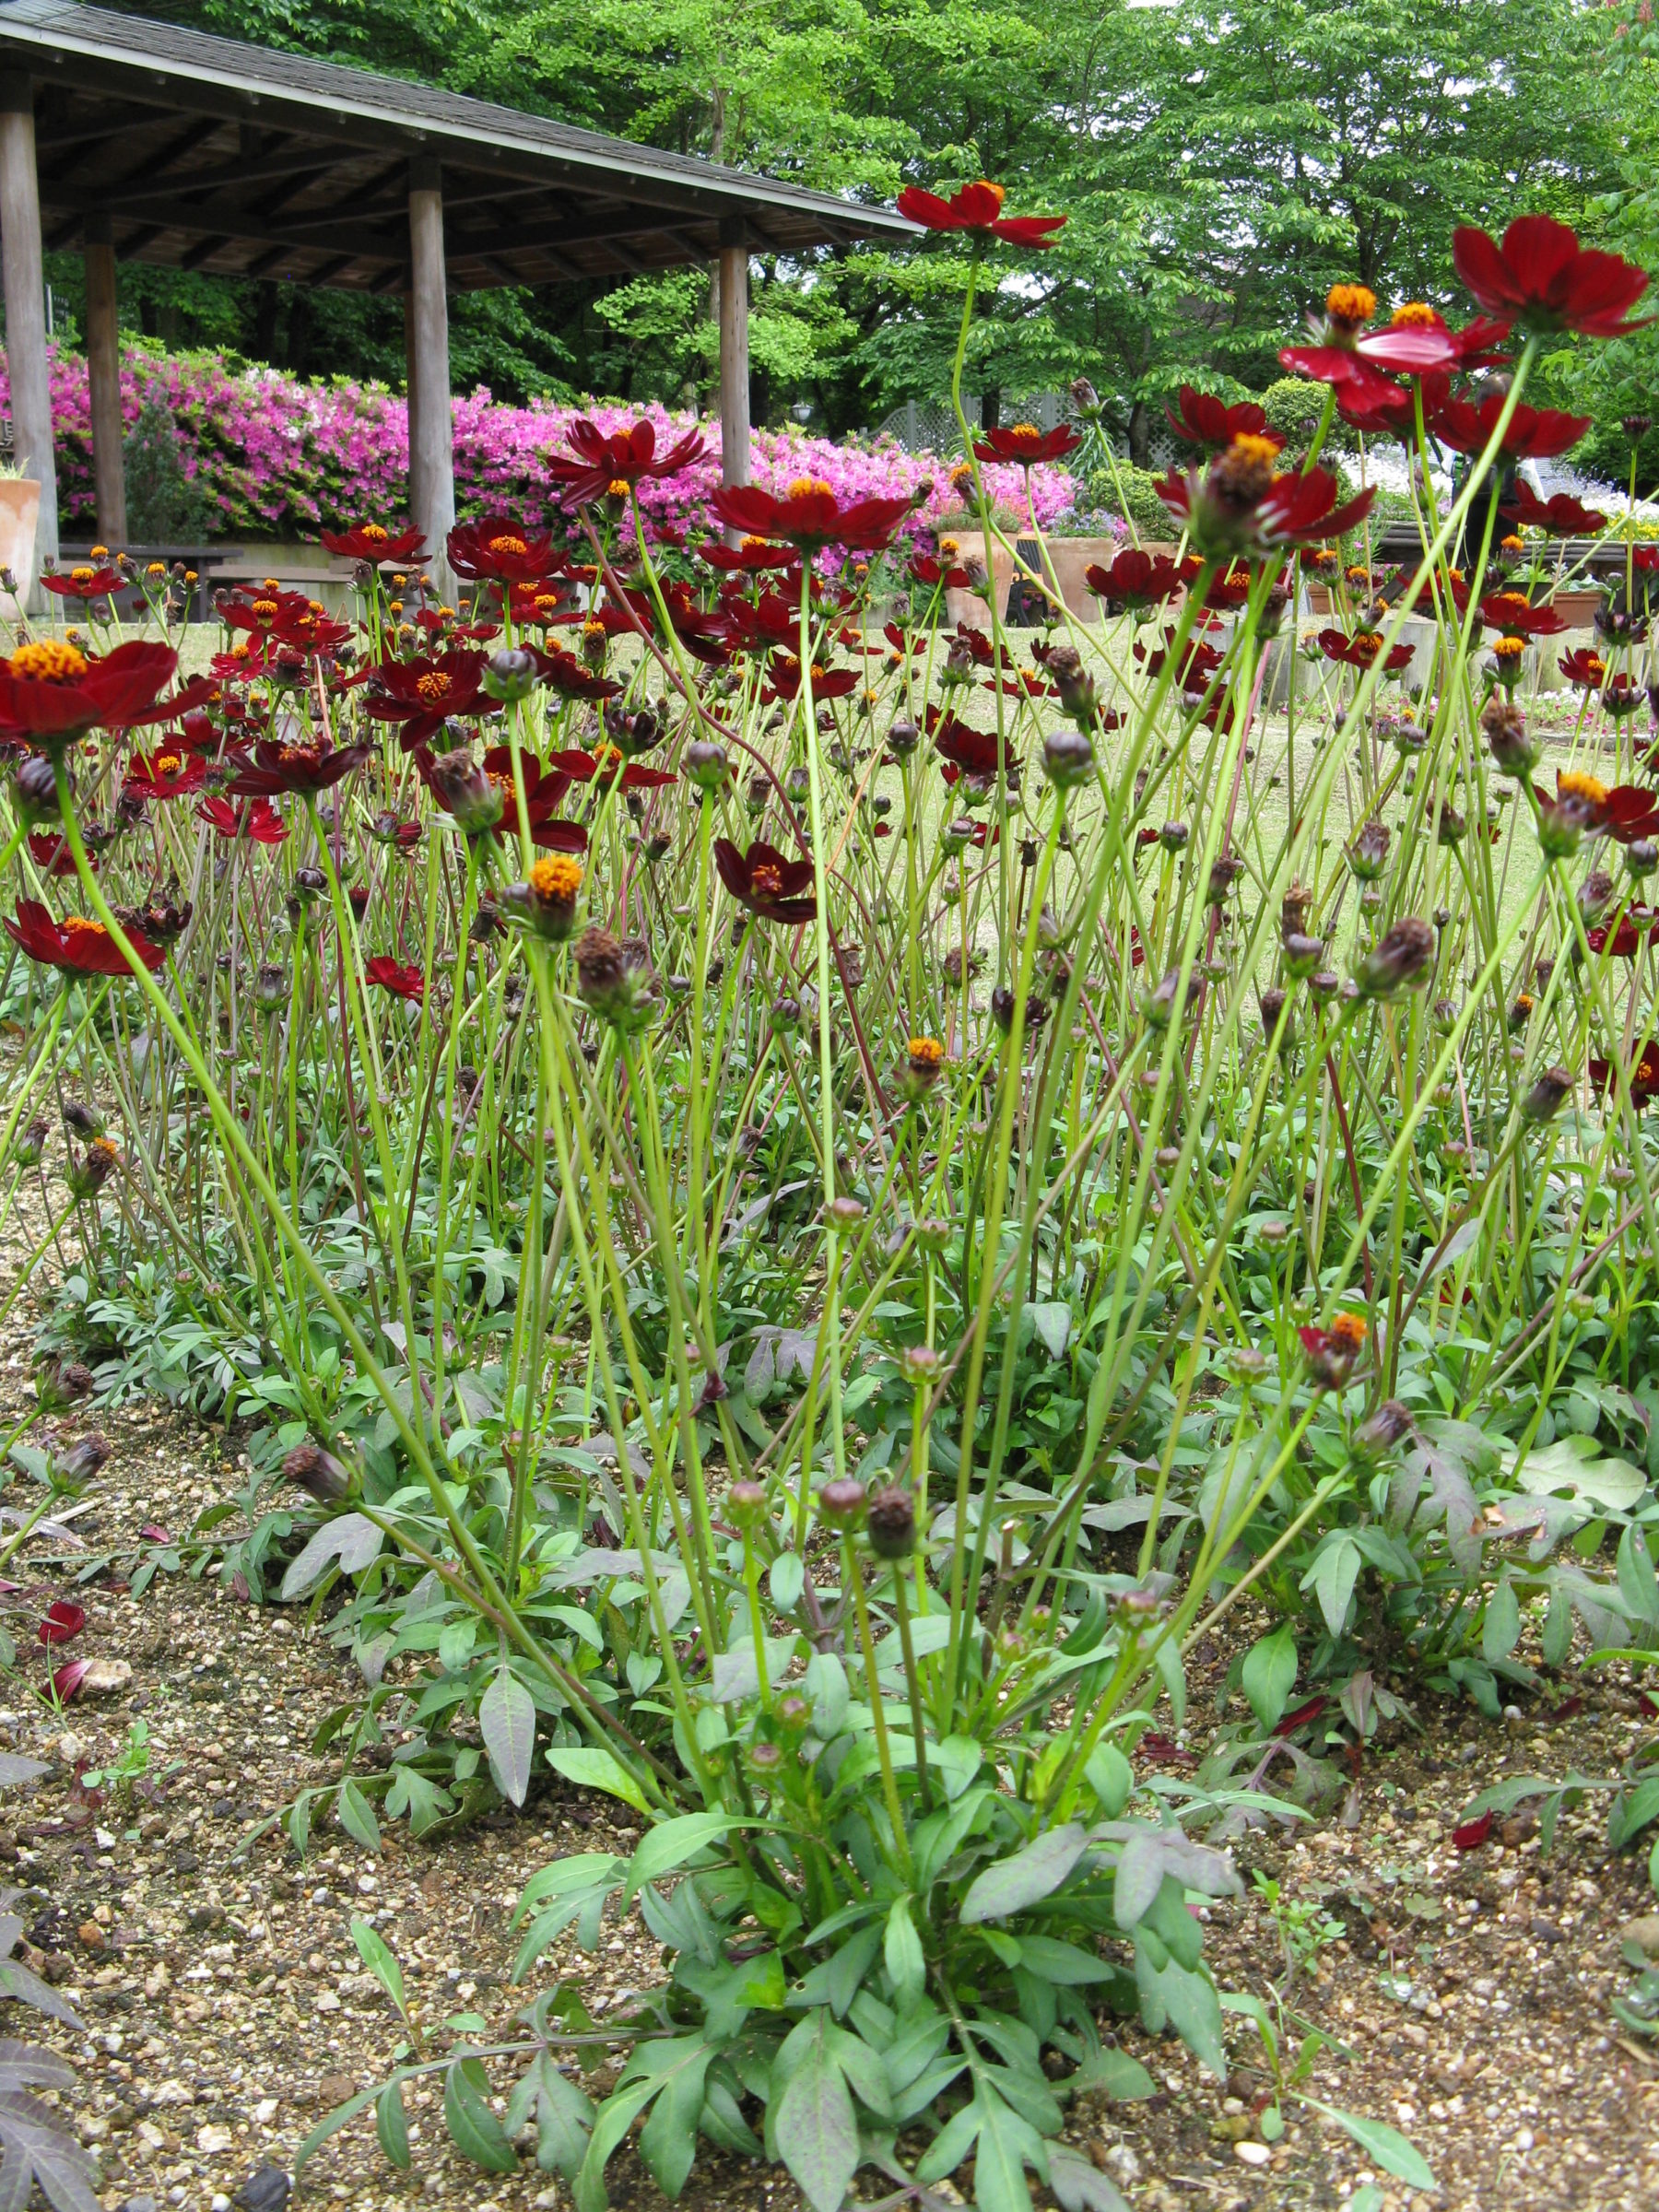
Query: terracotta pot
x,y
1070,558
1577,610
1319,599
20,513
964,607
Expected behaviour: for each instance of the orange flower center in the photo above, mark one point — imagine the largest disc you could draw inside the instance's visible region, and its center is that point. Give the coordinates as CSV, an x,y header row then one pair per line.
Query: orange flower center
x,y
264,610
927,1051
1509,648
617,488
82,575
1595,667
78,925
806,487
1573,784
1368,641
100,552
609,758
375,533
433,685
948,549
1348,1331
1416,315
768,880
593,628
156,567
48,661
299,756
507,545
1244,473
1513,543
1350,303
557,877
996,191
1026,436
753,545
168,764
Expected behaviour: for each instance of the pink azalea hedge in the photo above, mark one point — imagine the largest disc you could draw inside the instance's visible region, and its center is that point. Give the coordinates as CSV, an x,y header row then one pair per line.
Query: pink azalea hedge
x,y
275,457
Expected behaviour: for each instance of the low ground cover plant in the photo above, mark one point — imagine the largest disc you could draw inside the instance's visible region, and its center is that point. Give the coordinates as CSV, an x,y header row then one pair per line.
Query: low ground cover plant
x,y
799,1197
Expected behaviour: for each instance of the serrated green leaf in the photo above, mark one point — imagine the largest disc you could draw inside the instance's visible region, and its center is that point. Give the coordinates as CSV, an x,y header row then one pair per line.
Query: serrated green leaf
x,y
817,2128
476,2132
356,1816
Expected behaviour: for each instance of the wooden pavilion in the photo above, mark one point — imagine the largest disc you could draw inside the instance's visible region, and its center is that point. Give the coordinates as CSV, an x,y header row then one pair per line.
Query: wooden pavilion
x,y
140,141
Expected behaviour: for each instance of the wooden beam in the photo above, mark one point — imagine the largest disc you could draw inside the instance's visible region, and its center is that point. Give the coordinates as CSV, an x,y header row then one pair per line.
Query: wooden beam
x,y
431,420
305,162
202,251
734,357
25,286
54,137
104,378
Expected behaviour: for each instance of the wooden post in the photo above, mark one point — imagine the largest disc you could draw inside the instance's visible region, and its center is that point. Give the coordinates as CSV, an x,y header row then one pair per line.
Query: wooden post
x,y
26,311
431,424
103,377
734,354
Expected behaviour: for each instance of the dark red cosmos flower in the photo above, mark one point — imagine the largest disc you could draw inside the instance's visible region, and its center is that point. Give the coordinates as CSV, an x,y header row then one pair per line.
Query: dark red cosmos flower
x,y
374,543
1515,617
969,751
564,674
1134,579
49,848
616,463
787,676
1024,444
50,693
1414,344
496,549
403,982
1200,419
808,516
1361,650
63,1619
544,791
978,207
1625,942
1242,505
770,886
1622,697
423,694
746,560
258,821
1199,663
1625,813
1642,1071
165,775
1534,433
933,574
306,767
583,768
75,944
1583,668
1542,277
1331,1353
1385,410
1559,516
84,584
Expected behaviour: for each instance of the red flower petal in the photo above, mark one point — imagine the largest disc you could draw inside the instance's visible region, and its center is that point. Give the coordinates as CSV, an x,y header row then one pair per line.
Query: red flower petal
x,y
64,1619
1473,1834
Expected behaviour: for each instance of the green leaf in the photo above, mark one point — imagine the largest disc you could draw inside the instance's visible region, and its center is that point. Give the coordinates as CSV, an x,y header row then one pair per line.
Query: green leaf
x,y
357,1815
342,2116
1385,2144
1637,1582
617,2115
906,1963
786,1579
507,1723
1632,1813
1149,1853
1008,2143
1052,1324
1500,1631
1185,2000
1078,2185
671,1842
377,1957
1577,1465
592,1769
668,2139
391,2126
1270,1675
1332,1577
474,2128
1027,1877
817,2127
1123,2078
1111,1777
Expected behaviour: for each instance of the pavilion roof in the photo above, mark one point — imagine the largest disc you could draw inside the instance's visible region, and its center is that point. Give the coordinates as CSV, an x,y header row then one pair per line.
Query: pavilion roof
x,y
205,153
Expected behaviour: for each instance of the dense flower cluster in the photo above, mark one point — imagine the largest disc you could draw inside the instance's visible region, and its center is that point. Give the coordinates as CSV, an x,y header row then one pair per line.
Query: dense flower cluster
x,y
272,455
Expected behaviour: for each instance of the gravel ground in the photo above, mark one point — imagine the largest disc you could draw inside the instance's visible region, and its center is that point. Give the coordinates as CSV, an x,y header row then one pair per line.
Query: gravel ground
x,y
227,2009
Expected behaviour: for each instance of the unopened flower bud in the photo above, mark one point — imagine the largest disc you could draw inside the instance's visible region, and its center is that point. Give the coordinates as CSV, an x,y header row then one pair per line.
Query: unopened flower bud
x,y
319,1472
785,1016
473,800
1547,1095
843,1216
1515,751
615,978
746,1503
843,1504
1224,873
37,789
1382,1430
1368,855
29,1143
79,1462
1069,757
892,1522
509,674
1596,895
1400,960
903,738
1174,837
706,764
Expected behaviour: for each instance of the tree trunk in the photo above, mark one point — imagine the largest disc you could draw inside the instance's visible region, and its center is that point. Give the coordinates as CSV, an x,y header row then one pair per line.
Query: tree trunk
x,y
1138,433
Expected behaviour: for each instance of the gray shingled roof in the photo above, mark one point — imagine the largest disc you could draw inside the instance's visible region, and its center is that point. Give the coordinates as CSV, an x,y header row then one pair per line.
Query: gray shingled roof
x,y
205,153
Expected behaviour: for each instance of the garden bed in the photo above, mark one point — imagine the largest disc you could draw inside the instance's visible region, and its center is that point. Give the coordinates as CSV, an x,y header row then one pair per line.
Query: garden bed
x,y
228,2009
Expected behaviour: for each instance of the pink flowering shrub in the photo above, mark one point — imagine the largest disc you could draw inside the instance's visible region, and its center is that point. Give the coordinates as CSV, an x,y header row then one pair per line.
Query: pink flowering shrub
x,y
272,456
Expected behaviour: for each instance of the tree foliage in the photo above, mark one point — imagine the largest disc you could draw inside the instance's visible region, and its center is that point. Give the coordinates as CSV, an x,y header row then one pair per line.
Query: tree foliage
x,y
1221,163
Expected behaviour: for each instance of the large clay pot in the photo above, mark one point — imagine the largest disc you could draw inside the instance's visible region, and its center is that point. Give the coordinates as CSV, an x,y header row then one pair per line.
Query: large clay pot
x,y
1071,558
1577,610
966,607
20,513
